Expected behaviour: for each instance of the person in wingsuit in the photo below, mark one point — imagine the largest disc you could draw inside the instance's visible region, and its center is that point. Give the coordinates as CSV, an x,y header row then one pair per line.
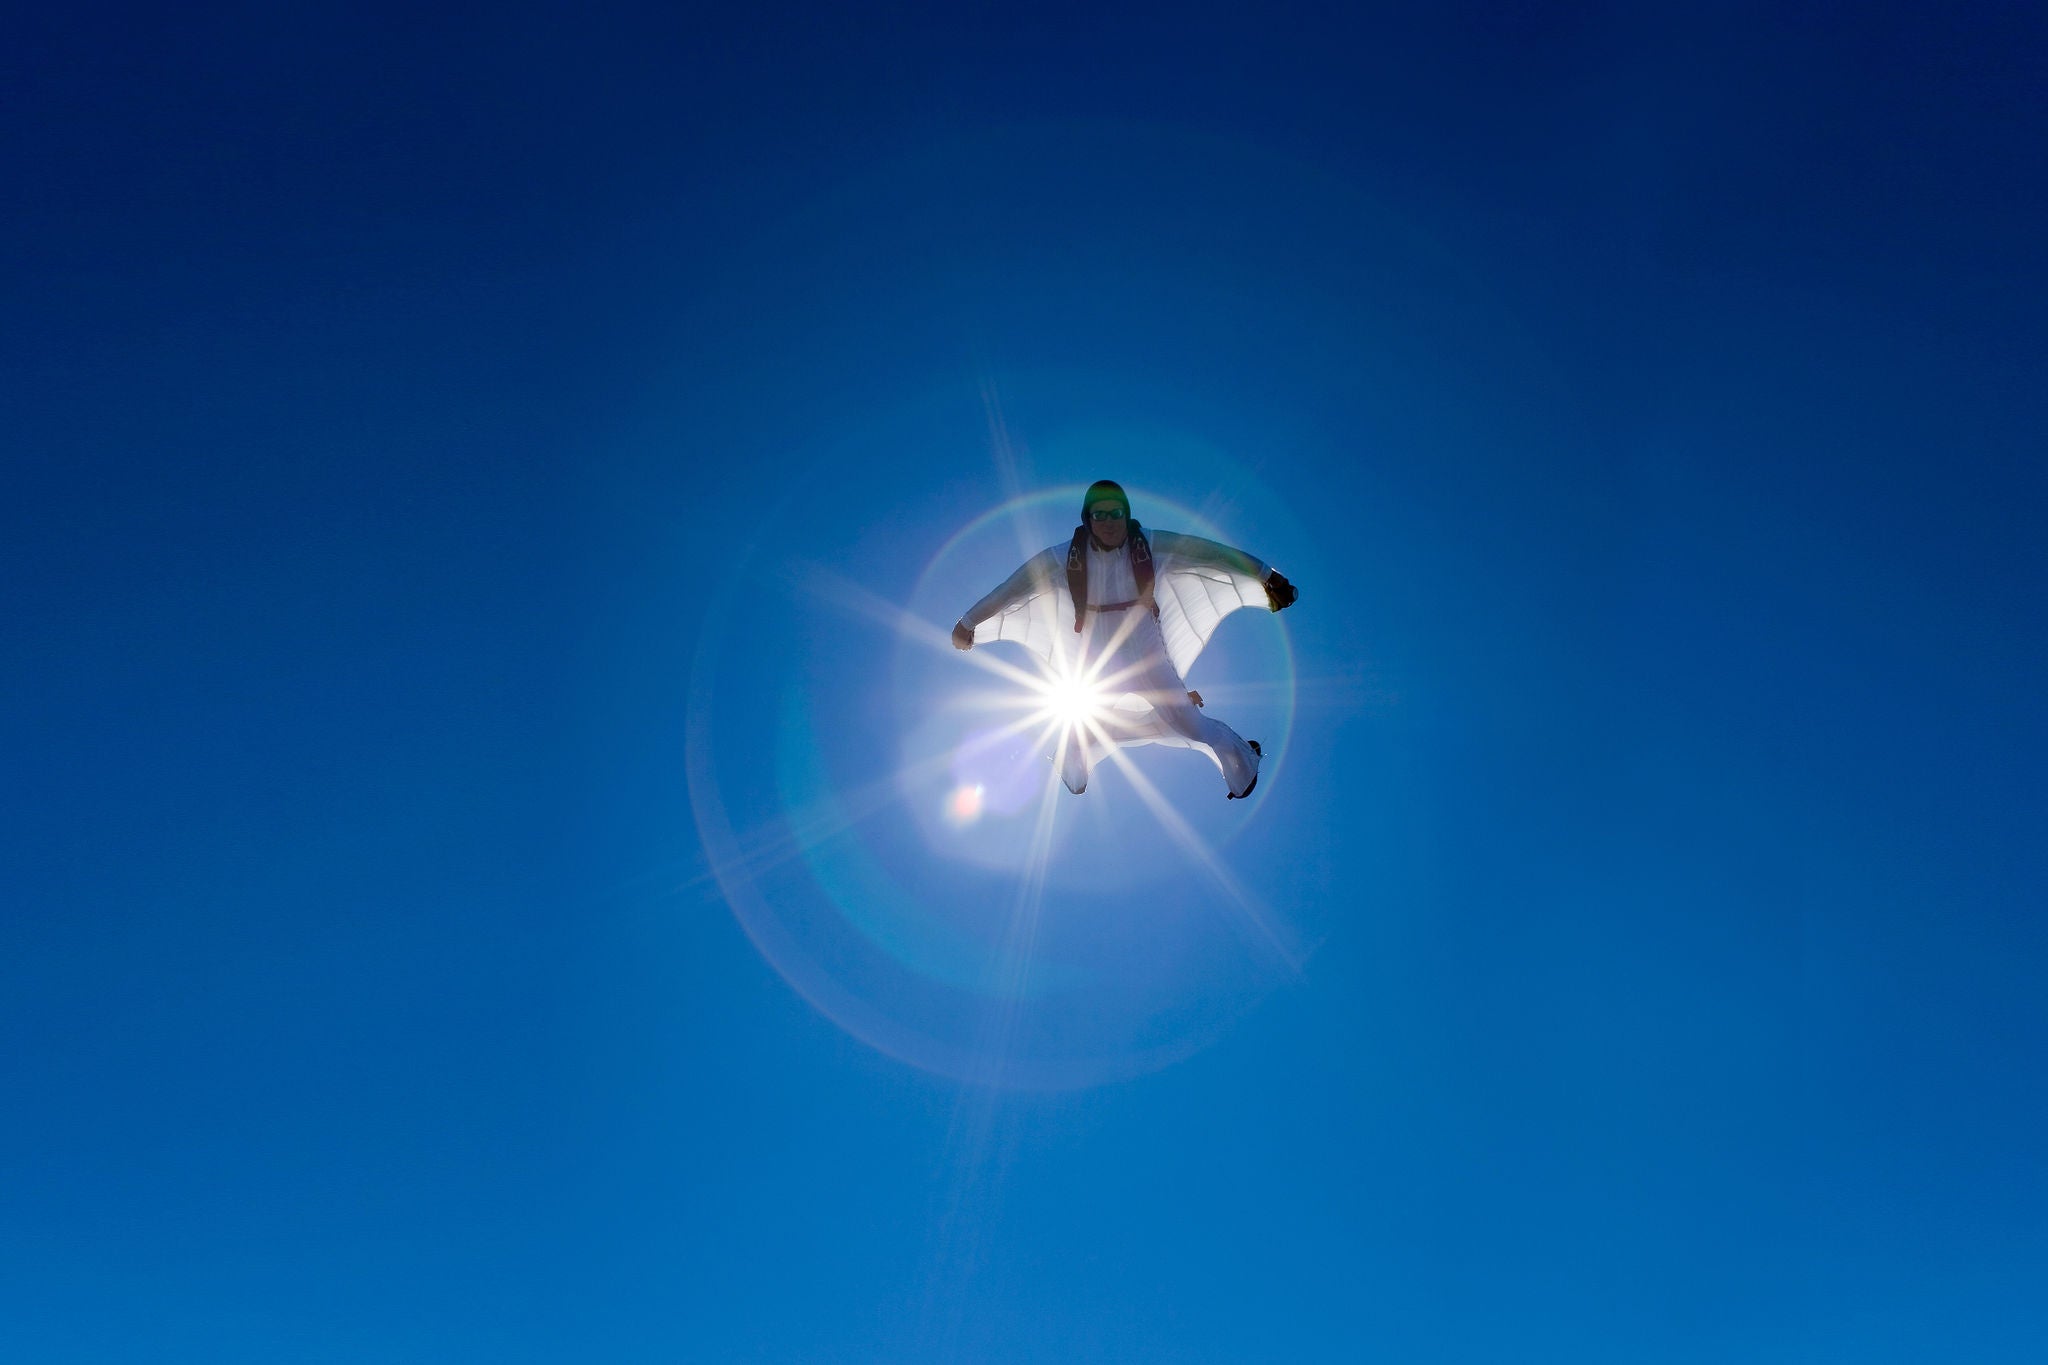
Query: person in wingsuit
x,y
1132,608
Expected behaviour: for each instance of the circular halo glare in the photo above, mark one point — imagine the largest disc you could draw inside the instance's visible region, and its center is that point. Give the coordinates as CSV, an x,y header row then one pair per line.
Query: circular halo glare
x,y
1018,941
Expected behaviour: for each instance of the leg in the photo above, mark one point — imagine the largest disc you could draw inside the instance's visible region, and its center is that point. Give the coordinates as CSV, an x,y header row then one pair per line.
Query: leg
x,y
1140,665
1074,764
1240,764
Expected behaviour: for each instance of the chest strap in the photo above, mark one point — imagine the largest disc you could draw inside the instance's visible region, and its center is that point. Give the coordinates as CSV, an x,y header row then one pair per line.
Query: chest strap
x,y
1141,569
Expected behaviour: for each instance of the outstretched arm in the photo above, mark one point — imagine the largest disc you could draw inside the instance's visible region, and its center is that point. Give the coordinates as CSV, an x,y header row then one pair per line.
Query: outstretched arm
x,y
1036,575
1197,552
1279,592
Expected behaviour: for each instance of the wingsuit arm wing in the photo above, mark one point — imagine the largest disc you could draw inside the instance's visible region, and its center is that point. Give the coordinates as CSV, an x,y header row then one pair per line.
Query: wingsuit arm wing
x,y
1024,606
1193,552
1200,582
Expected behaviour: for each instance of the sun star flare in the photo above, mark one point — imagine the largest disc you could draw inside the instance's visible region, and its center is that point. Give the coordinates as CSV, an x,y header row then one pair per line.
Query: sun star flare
x,y
1073,700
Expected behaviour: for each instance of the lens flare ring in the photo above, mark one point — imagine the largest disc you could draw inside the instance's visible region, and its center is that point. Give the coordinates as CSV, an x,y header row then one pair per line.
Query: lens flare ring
x,y
1028,953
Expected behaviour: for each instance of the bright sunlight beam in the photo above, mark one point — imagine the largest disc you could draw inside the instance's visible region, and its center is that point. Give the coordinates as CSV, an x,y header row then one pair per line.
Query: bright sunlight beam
x,y
1073,701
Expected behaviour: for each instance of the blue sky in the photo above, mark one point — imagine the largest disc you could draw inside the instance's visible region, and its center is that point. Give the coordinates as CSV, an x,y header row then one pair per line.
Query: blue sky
x,y
462,472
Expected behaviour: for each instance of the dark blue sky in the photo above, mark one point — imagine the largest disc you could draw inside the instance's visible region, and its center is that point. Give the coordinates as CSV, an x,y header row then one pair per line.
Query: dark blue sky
x,y
454,469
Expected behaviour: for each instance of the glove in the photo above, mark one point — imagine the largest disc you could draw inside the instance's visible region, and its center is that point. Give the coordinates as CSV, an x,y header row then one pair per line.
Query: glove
x,y
963,635
1279,591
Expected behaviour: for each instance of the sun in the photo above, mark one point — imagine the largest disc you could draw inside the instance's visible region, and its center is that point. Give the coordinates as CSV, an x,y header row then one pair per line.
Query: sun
x,y
1072,700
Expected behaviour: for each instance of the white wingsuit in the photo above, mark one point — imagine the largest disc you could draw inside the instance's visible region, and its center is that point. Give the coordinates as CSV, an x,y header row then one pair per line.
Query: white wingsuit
x,y
1196,583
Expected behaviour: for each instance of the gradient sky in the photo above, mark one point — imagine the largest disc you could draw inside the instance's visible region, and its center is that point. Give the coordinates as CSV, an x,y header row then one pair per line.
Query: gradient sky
x,y
460,472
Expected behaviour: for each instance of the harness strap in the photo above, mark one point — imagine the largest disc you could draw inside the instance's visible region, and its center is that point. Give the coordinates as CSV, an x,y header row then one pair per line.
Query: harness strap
x,y
1077,574
1142,569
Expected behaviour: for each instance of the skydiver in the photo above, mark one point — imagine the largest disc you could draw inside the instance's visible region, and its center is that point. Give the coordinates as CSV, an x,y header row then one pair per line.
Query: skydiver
x,y
1131,608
